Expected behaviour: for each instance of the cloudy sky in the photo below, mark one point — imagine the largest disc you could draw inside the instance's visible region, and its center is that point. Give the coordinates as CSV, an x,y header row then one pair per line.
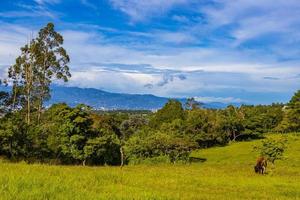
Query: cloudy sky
x,y
214,50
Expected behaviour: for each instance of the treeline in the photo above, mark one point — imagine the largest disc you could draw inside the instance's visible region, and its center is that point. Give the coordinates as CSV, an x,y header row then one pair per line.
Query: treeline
x,y
78,135
65,135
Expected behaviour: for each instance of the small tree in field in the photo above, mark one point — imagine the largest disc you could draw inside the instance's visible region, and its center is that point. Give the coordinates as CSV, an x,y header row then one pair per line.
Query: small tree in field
x,y
273,149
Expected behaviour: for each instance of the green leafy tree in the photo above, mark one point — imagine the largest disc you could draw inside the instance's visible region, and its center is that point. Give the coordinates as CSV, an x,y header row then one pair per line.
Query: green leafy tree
x,y
234,122
14,142
273,149
171,111
68,131
291,119
152,144
42,60
206,127
260,119
127,128
51,63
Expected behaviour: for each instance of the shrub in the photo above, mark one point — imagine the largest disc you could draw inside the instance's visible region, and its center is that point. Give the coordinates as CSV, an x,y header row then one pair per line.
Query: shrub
x,y
273,149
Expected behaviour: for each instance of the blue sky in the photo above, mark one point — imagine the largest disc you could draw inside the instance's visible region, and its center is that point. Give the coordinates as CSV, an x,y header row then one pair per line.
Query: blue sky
x,y
214,50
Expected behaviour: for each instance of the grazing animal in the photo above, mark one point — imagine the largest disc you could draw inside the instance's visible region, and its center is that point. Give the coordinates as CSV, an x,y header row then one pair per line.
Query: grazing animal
x,y
261,165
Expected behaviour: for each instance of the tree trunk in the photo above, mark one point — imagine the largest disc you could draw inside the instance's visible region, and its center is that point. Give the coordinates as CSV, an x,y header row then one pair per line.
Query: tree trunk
x,y
43,85
15,97
28,106
122,156
234,136
39,111
10,149
83,163
28,82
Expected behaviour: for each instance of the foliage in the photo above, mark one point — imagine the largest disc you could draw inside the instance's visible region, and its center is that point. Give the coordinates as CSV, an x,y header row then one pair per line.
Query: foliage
x,y
3,102
155,144
291,120
41,60
206,127
273,149
171,111
14,142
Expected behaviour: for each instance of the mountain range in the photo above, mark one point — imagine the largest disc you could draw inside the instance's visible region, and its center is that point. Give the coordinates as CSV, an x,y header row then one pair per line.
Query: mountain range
x,y
102,100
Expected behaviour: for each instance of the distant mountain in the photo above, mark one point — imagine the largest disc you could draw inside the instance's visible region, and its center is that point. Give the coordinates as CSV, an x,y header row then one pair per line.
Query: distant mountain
x,y
103,100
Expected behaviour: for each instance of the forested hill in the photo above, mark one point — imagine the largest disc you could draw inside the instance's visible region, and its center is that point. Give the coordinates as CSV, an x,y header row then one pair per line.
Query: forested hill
x,y
100,99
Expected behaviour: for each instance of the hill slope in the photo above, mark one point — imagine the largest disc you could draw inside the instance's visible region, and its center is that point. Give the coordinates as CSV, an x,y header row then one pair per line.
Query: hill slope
x,y
227,173
100,99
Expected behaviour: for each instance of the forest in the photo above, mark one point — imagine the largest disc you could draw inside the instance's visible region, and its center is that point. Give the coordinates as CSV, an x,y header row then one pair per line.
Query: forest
x,y
79,135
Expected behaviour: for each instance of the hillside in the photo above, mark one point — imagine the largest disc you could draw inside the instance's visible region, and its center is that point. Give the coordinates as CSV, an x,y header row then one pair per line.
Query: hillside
x,y
227,173
100,99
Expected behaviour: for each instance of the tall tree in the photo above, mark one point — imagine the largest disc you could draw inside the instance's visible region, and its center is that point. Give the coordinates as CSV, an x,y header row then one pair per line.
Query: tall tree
x,y
41,61
52,60
21,75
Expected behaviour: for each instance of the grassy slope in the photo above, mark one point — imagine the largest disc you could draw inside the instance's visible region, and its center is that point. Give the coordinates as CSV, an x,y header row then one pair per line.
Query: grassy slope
x,y
227,174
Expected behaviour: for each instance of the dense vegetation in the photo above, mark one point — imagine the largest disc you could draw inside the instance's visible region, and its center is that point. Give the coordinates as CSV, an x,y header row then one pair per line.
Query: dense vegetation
x,y
79,135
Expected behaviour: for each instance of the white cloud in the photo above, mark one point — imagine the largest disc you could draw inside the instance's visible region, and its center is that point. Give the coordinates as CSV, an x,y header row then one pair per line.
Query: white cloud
x,y
180,18
43,2
206,68
175,37
220,99
139,10
255,18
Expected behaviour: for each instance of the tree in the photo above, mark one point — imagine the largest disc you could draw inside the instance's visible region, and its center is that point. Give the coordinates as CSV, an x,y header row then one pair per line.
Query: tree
x,y
273,149
127,128
234,122
22,76
42,60
291,119
152,144
3,102
206,127
191,104
171,111
14,142
68,131
51,61
260,119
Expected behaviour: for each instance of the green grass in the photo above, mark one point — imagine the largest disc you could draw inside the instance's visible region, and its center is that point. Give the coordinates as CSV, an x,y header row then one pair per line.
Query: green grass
x,y
226,174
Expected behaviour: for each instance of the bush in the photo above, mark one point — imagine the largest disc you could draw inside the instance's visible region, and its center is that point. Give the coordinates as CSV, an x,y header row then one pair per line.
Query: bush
x,y
156,144
273,149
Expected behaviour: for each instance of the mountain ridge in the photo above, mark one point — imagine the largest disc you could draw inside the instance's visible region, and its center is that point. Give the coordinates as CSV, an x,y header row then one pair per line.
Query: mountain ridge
x,y
103,100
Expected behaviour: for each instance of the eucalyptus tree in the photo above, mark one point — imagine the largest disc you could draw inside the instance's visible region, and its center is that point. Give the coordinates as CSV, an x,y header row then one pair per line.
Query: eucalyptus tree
x,y
52,63
41,61
22,77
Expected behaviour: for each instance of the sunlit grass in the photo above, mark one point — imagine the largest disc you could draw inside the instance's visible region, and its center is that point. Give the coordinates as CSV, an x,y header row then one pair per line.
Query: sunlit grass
x,y
226,174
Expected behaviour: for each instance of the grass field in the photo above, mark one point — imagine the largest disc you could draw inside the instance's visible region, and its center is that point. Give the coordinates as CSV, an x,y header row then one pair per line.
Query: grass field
x,y
227,173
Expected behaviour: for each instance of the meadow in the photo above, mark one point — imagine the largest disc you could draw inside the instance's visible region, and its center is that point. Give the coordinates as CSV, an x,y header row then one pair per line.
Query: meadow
x,y
223,173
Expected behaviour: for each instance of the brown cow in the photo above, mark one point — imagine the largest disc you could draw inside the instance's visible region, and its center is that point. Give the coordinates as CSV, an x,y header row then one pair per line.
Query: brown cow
x,y
261,165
